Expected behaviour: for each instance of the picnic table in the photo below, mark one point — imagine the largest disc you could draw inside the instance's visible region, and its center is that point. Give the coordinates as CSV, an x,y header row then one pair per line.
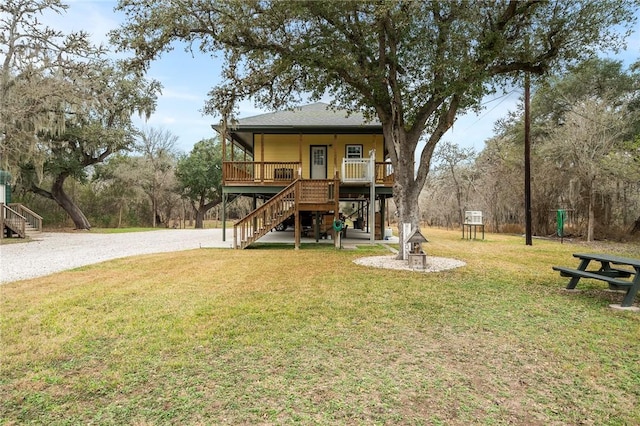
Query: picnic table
x,y
622,273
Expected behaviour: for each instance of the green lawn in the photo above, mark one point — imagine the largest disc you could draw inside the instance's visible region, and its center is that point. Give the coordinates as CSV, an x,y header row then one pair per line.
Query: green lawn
x,y
278,336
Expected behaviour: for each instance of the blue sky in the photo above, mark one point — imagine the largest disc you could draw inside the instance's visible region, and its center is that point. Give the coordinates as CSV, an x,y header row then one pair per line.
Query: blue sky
x,y
187,79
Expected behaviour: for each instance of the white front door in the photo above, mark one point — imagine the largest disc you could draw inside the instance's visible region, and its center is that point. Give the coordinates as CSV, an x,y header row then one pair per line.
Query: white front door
x,y
319,162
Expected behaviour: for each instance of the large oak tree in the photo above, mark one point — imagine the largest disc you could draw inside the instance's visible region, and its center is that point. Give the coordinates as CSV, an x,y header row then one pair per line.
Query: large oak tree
x,y
97,124
415,65
199,176
64,106
38,68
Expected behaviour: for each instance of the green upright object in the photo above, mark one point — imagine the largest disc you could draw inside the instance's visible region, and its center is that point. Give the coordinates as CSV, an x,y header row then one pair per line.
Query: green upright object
x,y
561,216
5,180
5,177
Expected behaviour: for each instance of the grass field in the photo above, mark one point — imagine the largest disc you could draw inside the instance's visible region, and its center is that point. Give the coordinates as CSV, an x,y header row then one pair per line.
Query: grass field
x,y
278,336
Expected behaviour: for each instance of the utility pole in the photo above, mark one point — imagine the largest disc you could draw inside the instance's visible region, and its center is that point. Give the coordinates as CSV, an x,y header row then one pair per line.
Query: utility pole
x,y
527,158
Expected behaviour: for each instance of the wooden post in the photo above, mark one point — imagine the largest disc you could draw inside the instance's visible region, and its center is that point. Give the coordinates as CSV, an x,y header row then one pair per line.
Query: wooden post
x,y
382,215
262,157
372,195
224,143
336,207
373,142
300,156
335,154
297,216
224,221
2,219
254,205
235,234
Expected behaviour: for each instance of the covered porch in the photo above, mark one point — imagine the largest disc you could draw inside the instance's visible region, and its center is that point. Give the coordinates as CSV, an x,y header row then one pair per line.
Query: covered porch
x,y
352,171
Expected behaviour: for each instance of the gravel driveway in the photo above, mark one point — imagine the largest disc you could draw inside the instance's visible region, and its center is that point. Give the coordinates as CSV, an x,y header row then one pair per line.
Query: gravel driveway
x,y
52,252
57,251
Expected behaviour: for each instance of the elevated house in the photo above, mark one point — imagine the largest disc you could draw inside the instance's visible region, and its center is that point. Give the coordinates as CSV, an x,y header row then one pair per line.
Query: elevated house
x,y
302,163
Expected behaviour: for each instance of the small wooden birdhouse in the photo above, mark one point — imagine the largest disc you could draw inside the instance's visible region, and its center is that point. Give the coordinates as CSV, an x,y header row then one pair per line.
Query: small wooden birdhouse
x,y
417,257
416,239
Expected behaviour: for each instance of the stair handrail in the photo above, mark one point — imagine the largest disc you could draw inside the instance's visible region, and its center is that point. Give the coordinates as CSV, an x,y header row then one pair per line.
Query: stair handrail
x,y
33,218
14,220
276,210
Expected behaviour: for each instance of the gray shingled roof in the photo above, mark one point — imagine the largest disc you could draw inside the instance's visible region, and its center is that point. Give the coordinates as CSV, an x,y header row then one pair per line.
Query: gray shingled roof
x,y
314,115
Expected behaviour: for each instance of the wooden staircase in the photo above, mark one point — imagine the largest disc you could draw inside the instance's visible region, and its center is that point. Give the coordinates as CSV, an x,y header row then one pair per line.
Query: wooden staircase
x,y
18,220
266,217
300,195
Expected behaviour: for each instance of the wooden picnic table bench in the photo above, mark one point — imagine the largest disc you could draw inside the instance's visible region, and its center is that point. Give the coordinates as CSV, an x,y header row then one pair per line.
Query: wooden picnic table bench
x,y
615,270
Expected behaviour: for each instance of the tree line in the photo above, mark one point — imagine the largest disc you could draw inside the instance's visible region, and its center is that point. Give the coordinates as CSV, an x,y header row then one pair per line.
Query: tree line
x,y
585,127
152,185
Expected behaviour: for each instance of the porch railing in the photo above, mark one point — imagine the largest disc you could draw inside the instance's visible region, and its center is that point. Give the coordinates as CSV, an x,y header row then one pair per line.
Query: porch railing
x,y
300,195
384,173
31,217
265,171
358,170
13,220
264,218
353,170
318,191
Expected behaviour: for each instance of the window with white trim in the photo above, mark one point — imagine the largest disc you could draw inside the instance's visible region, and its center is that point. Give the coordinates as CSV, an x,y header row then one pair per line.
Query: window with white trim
x,y
353,151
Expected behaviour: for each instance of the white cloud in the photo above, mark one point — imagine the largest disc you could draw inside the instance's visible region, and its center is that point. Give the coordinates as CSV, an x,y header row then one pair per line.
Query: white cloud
x,y
182,94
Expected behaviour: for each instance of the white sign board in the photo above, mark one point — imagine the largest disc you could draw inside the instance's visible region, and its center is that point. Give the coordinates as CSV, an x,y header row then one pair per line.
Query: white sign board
x,y
473,217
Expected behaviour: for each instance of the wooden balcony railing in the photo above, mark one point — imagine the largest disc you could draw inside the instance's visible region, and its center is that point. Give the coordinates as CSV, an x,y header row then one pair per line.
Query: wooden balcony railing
x,y
384,174
353,170
249,172
318,191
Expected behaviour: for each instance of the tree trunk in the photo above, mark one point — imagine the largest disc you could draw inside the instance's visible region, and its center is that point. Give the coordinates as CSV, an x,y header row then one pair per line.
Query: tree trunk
x,y
200,218
202,210
57,193
153,211
407,184
458,195
406,199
